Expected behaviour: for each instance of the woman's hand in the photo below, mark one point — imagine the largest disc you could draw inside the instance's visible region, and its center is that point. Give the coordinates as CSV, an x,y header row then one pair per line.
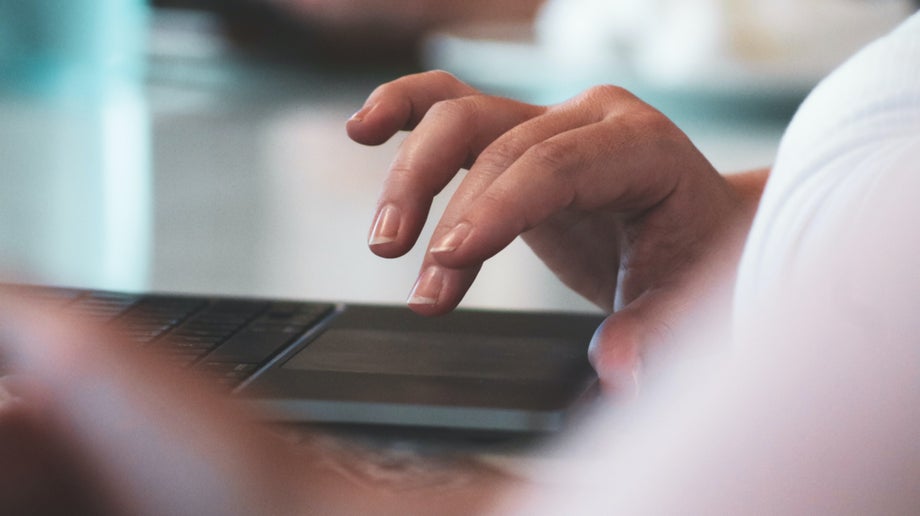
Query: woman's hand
x,y
608,192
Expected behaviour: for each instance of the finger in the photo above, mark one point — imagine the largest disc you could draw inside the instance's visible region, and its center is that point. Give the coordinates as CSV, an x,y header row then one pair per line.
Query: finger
x,y
622,164
401,104
622,343
448,138
689,313
615,352
489,165
439,289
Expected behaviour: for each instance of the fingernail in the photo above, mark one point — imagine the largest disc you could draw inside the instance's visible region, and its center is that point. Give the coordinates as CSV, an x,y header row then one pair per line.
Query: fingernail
x,y
428,287
362,113
386,226
452,240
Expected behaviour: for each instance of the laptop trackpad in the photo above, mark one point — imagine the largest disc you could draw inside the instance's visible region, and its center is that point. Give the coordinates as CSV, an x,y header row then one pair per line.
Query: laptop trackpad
x,y
439,354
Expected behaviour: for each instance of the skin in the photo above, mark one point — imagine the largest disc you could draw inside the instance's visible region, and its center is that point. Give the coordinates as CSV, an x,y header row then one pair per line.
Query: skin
x,y
607,191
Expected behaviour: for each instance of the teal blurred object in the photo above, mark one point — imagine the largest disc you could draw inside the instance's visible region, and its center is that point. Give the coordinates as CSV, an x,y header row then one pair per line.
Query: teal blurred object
x,y
74,149
75,46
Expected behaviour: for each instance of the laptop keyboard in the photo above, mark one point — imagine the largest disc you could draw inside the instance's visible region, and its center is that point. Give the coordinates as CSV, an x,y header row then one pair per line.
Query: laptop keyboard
x,y
229,339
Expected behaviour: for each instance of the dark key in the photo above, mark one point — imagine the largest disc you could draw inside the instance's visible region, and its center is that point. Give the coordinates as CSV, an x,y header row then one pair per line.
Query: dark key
x,y
103,306
227,373
181,357
234,308
294,313
252,347
282,324
164,310
186,343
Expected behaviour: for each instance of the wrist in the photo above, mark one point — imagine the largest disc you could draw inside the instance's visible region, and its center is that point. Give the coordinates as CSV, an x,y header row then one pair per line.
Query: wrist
x,y
749,185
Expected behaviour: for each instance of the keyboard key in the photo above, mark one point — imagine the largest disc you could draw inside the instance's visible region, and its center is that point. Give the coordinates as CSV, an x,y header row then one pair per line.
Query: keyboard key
x,y
229,374
270,332
182,358
251,346
231,338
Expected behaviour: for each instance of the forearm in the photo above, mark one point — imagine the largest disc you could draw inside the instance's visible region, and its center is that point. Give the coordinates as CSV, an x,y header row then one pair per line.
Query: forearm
x,y
748,187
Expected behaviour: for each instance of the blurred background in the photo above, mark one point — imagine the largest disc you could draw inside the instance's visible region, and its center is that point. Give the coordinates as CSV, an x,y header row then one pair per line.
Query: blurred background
x,y
199,145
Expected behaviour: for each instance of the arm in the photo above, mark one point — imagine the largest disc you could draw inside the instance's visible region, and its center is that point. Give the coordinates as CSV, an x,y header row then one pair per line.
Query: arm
x,y
750,185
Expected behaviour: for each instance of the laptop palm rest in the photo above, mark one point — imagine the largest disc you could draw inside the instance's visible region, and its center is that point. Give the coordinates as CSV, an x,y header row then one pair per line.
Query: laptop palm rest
x,y
497,371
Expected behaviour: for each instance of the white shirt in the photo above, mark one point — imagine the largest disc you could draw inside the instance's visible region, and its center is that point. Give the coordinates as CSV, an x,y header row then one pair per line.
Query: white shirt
x,y
817,409
837,164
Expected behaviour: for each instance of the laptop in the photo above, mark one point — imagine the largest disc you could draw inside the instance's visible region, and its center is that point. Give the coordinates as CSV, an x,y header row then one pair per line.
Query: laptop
x,y
365,365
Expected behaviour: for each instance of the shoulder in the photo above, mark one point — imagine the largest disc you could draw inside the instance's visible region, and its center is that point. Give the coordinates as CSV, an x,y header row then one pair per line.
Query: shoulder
x,y
872,98
844,184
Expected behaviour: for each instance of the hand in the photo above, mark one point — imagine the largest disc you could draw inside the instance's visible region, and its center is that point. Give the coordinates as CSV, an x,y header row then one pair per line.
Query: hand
x,y
607,191
33,464
130,434
110,430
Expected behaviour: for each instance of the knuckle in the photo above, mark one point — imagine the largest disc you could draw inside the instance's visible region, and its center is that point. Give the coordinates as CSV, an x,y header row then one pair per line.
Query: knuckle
x,y
602,100
386,89
400,170
459,111
658,129
552,154
403,181
655,121
437,79
440,76
646,123
506,204
606,93
499,155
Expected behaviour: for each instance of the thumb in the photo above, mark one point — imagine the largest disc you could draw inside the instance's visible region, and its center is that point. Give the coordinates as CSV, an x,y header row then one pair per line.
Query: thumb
x,y
622,342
